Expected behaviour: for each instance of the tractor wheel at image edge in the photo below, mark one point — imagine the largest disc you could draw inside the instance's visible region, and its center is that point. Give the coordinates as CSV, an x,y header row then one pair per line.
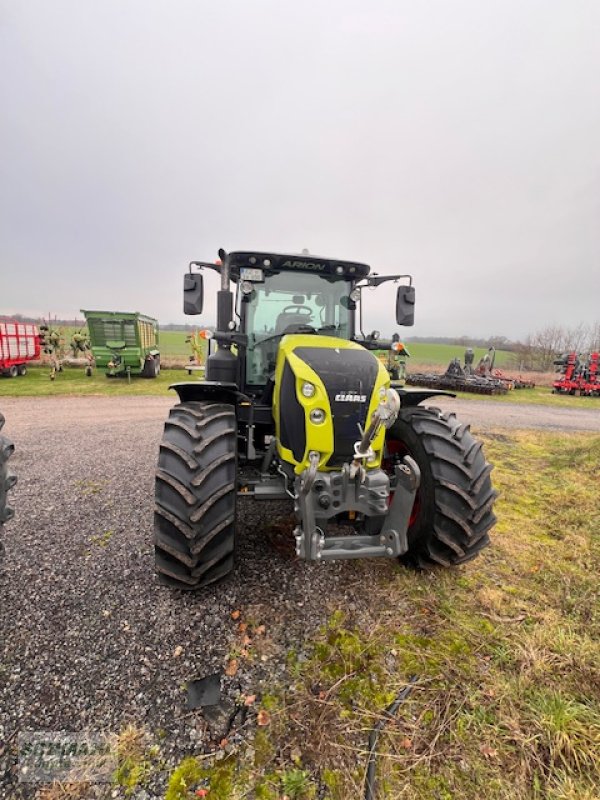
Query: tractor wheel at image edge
x,y
7,480
196,488
453,510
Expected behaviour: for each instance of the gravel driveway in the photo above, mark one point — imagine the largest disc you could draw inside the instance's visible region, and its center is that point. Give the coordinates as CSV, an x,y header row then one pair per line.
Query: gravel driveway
x,y
89,638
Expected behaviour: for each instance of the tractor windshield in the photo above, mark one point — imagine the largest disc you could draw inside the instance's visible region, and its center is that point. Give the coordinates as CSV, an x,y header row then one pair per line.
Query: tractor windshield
x,y
283,303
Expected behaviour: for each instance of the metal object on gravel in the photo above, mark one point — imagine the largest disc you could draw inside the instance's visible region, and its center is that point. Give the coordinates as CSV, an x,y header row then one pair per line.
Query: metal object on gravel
x,y
204,691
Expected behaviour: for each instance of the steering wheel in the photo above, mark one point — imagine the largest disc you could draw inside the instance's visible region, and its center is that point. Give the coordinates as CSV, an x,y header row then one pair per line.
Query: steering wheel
x,y
298,327
306,310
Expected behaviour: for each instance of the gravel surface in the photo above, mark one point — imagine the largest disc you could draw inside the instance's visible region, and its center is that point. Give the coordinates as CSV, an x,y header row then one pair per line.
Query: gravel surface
x,y
90,641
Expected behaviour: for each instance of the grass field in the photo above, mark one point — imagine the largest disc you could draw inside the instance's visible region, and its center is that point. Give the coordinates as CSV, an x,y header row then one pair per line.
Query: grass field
x,y
176,351
174,346
73,381
506,652
541,395
442,354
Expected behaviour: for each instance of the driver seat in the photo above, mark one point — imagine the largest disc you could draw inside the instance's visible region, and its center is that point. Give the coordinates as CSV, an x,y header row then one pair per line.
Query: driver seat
x,y
289,319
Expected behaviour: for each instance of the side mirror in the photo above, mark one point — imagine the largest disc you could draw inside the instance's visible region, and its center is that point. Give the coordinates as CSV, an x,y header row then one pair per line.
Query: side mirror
x,y
405,305
193,293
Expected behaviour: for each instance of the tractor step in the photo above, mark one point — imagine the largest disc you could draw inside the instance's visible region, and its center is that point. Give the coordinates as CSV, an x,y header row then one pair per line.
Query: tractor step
x,y
265,488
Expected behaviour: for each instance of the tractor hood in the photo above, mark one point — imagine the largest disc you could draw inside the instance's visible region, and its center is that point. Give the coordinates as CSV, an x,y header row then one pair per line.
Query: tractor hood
x,y
326,390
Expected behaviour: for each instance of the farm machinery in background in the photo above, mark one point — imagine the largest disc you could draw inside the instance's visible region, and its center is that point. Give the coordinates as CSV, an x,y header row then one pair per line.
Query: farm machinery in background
x,y
23,342
578,374
198,345
485,378
395,361
80,344
486,369
20,343
53,345
81,348
124,343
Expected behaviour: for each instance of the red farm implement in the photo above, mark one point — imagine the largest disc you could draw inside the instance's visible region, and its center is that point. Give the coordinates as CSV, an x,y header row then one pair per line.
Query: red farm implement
x,y
19,343
578,374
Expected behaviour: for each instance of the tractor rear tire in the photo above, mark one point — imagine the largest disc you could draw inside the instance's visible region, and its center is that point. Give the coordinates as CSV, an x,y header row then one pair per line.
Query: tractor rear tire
x,y
453,510
196,490
7,480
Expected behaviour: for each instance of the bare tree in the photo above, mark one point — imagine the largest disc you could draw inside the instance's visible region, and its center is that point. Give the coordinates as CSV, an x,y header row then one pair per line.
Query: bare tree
x,y
593,342
540,349
545,346
576,339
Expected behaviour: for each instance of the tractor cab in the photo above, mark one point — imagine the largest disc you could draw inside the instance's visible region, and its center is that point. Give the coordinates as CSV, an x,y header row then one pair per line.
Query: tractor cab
x,y
277,295
281,295
289,302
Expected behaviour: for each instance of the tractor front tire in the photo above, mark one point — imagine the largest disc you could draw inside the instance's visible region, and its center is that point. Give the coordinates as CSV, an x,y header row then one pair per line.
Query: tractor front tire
x,y
453,509
196,489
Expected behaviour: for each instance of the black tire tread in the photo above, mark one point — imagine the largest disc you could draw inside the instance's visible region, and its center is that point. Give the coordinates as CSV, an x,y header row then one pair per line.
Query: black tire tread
x,y
196,487
7,480
456,492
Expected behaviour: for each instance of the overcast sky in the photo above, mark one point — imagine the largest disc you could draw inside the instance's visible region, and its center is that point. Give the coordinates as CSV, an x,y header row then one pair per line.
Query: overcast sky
x,y
458,140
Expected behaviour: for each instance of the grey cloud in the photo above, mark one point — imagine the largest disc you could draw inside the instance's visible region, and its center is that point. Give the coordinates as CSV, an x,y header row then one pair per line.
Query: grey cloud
x,y
457,141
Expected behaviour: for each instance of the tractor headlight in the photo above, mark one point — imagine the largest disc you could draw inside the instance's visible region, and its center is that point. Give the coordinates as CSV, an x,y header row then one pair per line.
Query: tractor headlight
x,y
308,389
246,287
355,295
317,415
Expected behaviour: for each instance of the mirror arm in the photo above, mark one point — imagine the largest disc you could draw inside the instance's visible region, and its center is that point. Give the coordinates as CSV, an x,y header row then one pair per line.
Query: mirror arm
x,y
202,264
373,344
229,338
377,280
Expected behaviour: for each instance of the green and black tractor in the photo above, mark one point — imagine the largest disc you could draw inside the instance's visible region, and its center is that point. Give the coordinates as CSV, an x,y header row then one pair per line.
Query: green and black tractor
x,y
296,406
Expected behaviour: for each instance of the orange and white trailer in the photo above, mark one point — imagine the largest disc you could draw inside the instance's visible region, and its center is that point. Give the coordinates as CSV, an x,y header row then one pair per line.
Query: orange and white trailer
x,y
19,343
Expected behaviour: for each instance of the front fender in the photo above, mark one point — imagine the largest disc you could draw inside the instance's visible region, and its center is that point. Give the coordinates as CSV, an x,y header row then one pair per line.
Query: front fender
x,y
206,390
412,397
